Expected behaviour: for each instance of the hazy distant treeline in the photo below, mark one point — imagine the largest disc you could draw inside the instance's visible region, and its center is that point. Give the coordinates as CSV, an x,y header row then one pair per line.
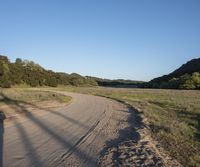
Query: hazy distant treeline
x,y
117,82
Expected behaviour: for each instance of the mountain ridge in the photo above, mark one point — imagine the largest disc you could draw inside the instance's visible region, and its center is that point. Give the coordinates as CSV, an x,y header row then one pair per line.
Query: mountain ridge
x,y
187,68
186,76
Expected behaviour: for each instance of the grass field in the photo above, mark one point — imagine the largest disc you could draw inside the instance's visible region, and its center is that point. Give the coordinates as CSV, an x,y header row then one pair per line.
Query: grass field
x,y
31,95
173,117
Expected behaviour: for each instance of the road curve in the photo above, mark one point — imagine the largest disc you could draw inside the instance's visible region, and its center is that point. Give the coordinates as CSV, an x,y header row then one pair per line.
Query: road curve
x,y
72,136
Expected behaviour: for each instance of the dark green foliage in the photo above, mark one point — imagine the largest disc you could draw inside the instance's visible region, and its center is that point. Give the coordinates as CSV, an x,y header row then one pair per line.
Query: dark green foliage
x,y
190,81
27,72
5,81
186,77
188,68
117,82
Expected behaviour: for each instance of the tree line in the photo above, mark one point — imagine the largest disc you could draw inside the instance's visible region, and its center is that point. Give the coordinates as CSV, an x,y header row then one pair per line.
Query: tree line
x,y
118,83
32,74
186,81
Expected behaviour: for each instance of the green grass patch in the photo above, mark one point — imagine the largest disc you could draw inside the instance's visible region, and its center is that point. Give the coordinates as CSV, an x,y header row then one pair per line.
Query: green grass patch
x,y
31,96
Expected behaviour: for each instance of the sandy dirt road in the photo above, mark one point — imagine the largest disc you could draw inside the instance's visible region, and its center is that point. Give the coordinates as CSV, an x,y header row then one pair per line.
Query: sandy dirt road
x,y
72,136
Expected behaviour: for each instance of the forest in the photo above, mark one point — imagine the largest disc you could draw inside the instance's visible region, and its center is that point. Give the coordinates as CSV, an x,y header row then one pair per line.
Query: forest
x,y
29,73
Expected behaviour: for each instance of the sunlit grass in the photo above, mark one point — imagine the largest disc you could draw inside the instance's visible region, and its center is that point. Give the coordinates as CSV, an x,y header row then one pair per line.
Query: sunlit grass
x,y
32,96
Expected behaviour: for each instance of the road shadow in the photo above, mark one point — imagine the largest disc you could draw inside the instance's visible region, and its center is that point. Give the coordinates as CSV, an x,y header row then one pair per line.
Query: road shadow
x,y
125,135
19,107
2,118
10,101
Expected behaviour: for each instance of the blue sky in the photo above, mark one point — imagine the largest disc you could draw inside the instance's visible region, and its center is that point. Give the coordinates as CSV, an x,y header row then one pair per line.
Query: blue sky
x,y
130,39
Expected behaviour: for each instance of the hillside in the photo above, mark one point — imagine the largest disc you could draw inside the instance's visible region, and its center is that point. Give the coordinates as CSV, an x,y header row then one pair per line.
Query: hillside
x,y
117,82
185,77
29,73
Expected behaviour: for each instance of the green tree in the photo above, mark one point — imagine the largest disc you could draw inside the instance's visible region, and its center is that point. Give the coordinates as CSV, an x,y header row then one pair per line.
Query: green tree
x,y
4,75
196,79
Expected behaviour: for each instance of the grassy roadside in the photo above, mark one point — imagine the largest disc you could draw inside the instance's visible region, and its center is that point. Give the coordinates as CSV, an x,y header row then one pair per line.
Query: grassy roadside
x,y
31,96
173,116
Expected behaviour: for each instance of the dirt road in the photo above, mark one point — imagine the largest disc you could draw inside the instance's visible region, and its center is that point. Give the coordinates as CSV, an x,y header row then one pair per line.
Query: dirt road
x,y
85,133
72,136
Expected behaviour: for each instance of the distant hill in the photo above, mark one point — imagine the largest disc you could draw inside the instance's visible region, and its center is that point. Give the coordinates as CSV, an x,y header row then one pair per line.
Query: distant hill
x,y
121,83
188,68
185,77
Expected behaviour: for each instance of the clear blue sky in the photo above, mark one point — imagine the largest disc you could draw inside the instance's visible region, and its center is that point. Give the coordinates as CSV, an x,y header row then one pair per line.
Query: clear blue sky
x,y
130,39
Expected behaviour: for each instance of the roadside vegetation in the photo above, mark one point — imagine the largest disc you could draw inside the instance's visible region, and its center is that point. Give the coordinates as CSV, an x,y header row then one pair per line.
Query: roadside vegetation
x,y
14,101
172,115
31,96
